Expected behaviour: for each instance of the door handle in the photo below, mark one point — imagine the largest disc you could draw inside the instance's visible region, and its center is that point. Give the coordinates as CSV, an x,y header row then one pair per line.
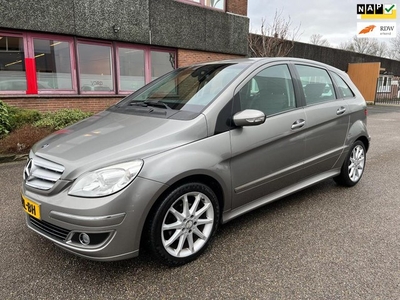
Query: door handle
x,y
341,110
298,124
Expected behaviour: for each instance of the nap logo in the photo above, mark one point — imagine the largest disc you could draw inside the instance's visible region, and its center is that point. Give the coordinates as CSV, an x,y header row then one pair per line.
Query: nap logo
x,y
376,30
376,11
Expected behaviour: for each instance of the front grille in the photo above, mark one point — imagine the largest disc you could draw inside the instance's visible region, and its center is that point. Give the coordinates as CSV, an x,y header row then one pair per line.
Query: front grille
x,y
42,174
49,229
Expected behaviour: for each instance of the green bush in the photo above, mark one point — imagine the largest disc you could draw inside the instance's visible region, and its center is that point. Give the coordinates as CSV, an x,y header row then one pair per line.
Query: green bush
x,y
4,119
12,118
19,116
61,118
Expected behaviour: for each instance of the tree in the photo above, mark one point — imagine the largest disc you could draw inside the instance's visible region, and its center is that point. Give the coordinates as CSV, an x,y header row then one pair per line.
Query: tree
x,y
276,39
382,50
346,46
395,47
317,39
368,46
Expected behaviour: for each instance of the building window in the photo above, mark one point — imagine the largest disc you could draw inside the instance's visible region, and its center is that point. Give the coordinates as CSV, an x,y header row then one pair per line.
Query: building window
x,y
214,4
53,64
162,62
95,68
33,63
131,69
12,64
219,4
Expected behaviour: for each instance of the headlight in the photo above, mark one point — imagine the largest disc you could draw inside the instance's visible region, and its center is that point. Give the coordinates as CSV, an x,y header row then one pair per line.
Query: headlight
x,y
106,181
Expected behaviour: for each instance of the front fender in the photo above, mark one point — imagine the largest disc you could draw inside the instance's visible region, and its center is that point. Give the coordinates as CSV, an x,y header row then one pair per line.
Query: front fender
x,y
209,156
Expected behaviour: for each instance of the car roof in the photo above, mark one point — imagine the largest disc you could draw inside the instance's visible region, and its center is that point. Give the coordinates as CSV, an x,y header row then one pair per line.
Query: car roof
x,y
263,60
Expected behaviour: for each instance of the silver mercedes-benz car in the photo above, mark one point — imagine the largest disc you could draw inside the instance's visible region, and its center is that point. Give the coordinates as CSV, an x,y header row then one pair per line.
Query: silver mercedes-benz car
x,y
191,150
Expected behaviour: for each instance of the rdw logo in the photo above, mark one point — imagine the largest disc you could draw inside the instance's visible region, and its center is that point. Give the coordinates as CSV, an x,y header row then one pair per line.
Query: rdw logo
x,y
376,30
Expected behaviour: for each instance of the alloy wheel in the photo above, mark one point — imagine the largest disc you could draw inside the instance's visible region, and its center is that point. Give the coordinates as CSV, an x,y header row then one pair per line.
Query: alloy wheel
x,y
356,163
187,225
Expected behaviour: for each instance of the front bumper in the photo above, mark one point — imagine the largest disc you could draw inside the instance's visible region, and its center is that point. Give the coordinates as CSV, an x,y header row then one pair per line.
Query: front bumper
x,y
105,229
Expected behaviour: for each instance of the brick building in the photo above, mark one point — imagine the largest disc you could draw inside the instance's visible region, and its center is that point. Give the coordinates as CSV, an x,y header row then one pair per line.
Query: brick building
x,y
88,54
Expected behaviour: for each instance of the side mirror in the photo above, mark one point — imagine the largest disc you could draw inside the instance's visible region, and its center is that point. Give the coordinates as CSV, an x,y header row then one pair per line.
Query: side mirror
x,y
249,117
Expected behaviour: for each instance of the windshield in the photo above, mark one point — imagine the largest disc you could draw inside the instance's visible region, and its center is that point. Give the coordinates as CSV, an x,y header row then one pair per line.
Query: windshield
x,y
187,89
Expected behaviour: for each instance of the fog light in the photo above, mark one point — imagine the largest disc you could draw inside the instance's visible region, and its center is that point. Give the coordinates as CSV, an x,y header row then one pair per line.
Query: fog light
x,y
84,239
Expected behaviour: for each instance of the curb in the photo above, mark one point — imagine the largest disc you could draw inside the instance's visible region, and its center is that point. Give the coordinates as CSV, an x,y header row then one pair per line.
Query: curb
x,y
12,157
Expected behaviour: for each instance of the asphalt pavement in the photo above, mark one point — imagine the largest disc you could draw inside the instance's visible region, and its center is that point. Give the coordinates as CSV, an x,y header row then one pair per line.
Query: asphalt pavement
x,y
326,242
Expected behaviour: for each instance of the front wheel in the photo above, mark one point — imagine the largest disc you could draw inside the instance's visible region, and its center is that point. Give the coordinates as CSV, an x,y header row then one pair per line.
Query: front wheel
x,y
184,224
353,166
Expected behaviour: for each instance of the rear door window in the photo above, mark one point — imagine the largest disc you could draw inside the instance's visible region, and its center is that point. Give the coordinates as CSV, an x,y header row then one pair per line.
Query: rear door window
x,y
317,84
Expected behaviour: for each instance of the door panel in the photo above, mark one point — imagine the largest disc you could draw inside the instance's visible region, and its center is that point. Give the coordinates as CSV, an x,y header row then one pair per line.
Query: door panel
x,y
327,120
267,157
325,135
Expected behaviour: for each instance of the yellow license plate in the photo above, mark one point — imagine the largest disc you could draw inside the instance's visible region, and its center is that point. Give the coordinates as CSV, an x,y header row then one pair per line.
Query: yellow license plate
x,y
31,207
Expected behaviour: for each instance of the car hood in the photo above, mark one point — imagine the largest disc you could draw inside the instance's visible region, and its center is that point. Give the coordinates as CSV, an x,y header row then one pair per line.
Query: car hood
x,y
109,138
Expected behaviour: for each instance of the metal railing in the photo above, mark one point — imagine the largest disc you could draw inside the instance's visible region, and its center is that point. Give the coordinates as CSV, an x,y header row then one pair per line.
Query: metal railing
x,y
387,94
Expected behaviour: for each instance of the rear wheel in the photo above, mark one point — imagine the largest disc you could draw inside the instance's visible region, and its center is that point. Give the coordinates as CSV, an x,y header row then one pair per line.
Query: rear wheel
x,y
353,166
184,224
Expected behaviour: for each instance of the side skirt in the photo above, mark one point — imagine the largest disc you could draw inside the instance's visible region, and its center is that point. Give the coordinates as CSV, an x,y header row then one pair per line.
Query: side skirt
x,y
229,215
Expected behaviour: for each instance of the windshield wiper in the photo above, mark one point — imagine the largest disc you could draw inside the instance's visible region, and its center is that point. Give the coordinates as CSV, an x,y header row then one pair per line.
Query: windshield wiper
x,y
146,103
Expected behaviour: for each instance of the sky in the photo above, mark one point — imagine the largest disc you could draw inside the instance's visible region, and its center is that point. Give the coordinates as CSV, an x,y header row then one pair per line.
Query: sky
x,y
335,20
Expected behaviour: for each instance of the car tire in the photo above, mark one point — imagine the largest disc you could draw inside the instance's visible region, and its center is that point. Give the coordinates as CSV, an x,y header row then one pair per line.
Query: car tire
x,y
353,167
184,224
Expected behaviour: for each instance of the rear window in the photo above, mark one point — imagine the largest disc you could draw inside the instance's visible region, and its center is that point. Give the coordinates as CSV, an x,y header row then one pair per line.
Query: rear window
x,y
344,89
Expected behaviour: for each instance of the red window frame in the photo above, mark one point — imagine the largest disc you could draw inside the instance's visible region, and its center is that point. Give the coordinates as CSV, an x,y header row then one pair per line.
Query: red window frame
x,y
112,69
202,3
118,65
31,54
30,64
147,61
25,43
148,73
